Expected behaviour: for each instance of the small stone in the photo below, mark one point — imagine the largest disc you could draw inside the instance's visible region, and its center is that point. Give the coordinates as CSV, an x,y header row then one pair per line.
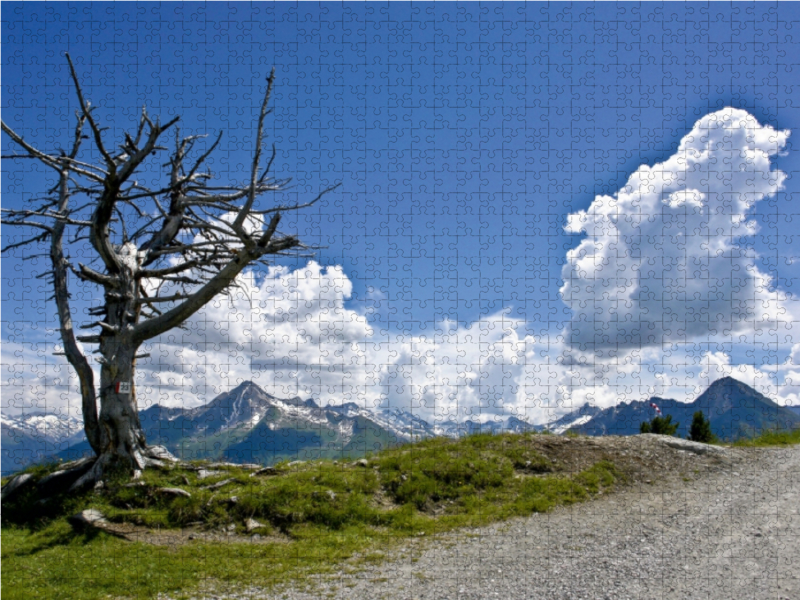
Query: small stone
x,y
265,471
255,537
230,465
331,494
204,473
363,462
89,518
135,484
294,463
249,466
161,452
218,485
233,499
174,492
251,525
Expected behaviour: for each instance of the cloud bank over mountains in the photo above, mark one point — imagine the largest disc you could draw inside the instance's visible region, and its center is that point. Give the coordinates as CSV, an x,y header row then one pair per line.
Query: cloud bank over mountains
x,y
663,289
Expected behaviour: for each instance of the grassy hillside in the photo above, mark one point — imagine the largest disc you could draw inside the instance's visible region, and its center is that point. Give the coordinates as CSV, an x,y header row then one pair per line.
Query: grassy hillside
x,y
241,526
298,518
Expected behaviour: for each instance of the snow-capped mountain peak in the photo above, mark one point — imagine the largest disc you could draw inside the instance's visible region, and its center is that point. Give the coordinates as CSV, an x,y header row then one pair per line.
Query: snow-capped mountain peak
x,y
45,425
30,438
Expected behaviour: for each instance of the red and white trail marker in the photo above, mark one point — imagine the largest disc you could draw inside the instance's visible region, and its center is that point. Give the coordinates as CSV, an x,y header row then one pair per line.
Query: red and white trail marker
x,y
123,387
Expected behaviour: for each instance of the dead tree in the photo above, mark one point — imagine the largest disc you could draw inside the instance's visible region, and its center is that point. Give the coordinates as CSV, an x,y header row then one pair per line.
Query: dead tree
x,y
191,240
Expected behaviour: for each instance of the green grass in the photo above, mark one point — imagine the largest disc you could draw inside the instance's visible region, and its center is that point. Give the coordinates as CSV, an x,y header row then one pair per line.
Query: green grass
x,y
54,562
771,438
316,515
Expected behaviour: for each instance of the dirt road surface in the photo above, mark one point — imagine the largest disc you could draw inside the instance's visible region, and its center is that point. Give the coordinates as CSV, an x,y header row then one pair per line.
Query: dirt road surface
x,y
733,533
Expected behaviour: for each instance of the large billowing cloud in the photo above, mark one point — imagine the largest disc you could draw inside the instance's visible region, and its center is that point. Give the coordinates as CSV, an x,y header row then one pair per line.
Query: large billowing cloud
x,y
663,261
289,332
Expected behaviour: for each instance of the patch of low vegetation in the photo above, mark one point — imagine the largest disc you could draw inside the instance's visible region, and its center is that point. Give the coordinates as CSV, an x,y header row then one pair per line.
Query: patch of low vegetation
x,y
200,522
771,438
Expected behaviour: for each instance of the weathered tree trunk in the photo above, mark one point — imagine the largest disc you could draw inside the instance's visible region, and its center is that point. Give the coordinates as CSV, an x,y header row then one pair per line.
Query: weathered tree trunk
x,y
61,296
122,440
122,444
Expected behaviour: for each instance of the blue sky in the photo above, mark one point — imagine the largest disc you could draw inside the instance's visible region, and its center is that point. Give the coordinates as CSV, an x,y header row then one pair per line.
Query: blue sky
x,y
468,139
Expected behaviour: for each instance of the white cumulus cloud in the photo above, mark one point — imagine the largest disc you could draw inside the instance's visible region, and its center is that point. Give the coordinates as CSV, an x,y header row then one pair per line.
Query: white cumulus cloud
x,y
663,258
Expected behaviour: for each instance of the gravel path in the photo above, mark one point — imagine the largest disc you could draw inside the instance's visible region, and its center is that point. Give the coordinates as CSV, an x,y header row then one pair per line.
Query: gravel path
x,y
733,533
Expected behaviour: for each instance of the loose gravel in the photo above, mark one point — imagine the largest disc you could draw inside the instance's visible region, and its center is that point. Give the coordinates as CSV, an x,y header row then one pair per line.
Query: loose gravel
x,y
729,532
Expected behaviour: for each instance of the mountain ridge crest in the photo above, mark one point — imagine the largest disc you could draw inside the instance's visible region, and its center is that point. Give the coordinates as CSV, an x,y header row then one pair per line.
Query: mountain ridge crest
x,y
247,424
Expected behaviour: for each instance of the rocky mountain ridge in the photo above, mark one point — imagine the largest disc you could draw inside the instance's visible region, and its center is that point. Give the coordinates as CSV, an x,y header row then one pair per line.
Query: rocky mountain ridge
x,y
734,409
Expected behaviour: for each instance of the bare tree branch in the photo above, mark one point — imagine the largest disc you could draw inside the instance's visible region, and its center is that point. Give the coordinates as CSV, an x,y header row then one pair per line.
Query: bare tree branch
x,y
98,140
155,300
251,197
156,273
38,238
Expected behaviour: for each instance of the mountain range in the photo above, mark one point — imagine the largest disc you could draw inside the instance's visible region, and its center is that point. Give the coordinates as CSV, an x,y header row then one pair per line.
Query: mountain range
x,y
735,411
247,424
